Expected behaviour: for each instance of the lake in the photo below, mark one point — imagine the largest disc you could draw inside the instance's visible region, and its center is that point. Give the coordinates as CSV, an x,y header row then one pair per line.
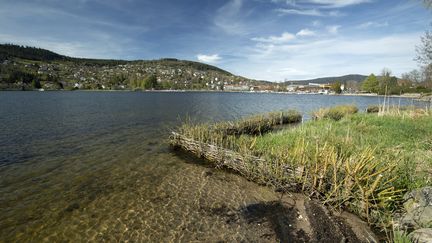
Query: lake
x,y
93,166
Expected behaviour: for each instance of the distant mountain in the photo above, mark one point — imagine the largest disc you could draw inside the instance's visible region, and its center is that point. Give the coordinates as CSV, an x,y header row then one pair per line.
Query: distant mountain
x,y
23,67
345,78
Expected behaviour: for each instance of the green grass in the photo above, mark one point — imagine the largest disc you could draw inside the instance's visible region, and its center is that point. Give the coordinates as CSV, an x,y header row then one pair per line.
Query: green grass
x,y
400,237
361,162
388,135
404,144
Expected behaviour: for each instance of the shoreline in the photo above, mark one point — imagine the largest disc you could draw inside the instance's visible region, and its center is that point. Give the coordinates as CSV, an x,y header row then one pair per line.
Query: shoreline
x,y
417,96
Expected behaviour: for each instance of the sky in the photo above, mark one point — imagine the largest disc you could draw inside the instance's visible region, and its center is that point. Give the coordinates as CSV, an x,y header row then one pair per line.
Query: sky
x,y
273,40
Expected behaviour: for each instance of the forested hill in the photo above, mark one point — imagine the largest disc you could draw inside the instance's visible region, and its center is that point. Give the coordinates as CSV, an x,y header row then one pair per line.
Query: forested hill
x,y
351,77
8,51
23,67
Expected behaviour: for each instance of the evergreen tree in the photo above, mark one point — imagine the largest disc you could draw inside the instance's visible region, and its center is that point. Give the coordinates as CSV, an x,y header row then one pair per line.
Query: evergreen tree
x,y
36,84
370,84
151,82
336,87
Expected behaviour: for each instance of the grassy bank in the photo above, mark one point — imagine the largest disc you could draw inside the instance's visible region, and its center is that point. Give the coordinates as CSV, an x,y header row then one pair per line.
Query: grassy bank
x,y
357,161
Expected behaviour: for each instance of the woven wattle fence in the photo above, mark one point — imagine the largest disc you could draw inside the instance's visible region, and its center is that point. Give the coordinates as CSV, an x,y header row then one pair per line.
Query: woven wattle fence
x,y
252,167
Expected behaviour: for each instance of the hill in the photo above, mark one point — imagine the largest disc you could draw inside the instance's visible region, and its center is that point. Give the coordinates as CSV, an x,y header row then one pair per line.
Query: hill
x,y
39,54
8,51
23,67
343,79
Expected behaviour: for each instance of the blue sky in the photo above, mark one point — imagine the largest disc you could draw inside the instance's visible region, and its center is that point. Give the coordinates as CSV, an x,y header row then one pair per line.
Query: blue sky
x,y
262,39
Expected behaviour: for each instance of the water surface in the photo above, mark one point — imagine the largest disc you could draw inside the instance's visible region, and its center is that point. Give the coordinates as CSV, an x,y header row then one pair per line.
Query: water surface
x,y
85,166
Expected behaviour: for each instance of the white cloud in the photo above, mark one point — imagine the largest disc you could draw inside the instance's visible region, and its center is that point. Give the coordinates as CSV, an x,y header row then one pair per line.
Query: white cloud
x,y
371,24
332,56
290,71
208,58
316,23
335,13
306,32
336,3
333,29
322,3
308,12
285,37
228,18
60,15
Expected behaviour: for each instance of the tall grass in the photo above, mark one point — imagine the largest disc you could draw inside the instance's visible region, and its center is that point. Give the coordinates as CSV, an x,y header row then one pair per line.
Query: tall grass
x,y
358,181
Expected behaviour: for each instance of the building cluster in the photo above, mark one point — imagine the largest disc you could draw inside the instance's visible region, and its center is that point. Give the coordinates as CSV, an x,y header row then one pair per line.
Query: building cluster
x,y
312,88
177,75
75,75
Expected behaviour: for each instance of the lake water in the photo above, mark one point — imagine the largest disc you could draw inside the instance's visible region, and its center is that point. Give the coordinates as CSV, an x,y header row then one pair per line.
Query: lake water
x,y
93,166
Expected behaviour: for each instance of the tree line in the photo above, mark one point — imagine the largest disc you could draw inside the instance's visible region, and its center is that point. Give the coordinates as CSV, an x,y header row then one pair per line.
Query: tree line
x,y
415,81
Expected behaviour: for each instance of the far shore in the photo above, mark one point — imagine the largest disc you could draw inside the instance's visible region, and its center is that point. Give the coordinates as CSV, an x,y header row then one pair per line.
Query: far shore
x,y
417,96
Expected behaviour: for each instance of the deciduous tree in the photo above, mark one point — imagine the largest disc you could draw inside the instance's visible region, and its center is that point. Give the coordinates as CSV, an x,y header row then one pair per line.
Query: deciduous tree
x,y
424,50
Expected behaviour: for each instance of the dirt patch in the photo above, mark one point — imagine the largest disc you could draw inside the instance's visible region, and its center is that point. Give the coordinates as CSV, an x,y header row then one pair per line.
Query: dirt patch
x,y
326,228
293,218
280,217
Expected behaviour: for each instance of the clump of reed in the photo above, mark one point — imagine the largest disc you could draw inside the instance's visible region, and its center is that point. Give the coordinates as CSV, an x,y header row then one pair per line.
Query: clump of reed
x,y
335,113
360,182
403,111
260,124
373,109
254,125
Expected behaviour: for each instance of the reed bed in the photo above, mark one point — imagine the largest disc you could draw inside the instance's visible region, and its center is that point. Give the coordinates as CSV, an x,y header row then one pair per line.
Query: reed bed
x,y
404,111
361,162
259,124
254,125
335,113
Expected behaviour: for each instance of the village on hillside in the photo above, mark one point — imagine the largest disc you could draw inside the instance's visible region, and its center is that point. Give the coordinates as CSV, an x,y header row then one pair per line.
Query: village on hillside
x,y
29,68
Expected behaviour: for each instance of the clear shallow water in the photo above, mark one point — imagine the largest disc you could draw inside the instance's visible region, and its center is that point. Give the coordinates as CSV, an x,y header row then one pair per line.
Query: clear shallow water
x,y
85,166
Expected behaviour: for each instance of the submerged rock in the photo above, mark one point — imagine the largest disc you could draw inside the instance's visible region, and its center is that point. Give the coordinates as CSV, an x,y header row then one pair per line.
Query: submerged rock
x,y
418,206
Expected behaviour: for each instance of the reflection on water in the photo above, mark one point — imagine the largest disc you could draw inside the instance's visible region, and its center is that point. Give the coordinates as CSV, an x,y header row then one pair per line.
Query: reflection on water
x,y
96,166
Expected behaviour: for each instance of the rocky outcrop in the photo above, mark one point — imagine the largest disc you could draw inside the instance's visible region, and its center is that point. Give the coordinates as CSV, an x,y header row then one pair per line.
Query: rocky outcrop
x,y
418,206
421,235
417,217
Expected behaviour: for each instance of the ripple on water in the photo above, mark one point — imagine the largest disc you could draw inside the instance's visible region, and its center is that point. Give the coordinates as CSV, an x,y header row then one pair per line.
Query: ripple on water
x,y
151,197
